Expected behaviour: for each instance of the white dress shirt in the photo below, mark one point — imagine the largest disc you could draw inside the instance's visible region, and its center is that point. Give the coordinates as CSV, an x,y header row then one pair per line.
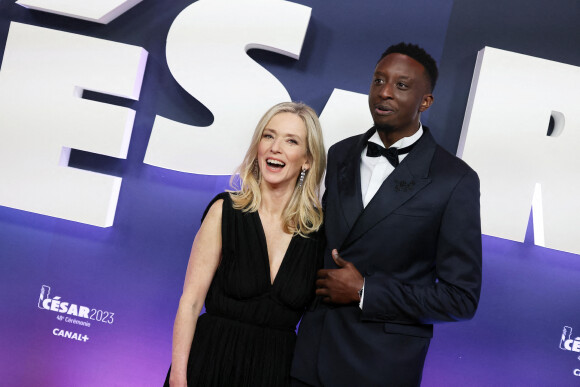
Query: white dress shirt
x,y
375,170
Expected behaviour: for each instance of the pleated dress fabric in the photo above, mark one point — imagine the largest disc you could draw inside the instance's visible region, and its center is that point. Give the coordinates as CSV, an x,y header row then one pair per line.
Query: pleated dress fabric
x,y
246,337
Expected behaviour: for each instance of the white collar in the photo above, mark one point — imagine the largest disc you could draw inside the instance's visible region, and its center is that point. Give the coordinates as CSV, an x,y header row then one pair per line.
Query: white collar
x,y
403,142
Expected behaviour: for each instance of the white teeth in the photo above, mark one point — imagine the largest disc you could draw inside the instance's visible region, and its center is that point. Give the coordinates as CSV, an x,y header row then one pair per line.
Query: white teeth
x,y
275,162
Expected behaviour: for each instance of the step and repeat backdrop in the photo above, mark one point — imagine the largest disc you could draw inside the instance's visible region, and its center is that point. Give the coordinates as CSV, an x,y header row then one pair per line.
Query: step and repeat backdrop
x,y
121,119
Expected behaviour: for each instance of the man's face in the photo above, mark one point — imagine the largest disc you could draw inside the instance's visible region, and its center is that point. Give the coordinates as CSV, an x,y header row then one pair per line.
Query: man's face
x,y
399,92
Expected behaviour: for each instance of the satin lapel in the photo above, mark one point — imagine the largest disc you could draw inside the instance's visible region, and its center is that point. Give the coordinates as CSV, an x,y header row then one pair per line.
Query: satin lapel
x,y
410,177
349,191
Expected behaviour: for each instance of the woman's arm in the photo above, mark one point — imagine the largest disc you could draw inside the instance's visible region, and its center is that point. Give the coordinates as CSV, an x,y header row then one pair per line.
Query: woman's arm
x,y
203,262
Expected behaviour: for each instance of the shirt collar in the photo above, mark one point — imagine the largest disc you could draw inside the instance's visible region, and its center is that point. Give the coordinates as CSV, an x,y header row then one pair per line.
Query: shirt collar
x,y
403,142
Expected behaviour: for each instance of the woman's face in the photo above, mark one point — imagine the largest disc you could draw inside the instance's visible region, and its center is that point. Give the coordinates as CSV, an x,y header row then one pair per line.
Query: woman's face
x,y
282,151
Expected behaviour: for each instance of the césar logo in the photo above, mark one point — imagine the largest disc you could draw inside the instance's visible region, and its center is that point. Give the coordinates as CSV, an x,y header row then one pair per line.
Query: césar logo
x,y
567,343
56,305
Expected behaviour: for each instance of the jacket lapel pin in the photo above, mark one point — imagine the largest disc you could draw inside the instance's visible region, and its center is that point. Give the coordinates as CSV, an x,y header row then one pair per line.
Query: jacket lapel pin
x,y
403,186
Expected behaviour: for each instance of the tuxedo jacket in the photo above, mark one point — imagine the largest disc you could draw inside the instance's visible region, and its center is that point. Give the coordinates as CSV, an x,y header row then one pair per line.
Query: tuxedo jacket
x,y
417,244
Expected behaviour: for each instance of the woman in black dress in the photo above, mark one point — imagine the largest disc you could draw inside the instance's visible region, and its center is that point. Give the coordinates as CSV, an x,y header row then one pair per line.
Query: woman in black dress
x,y
254,261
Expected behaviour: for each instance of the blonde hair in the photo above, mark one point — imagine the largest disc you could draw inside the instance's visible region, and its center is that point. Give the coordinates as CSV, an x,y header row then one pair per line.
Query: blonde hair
x,y
303,213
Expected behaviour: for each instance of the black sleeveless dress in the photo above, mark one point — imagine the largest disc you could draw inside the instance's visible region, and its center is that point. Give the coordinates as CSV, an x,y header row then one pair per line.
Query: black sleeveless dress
x,y
247,335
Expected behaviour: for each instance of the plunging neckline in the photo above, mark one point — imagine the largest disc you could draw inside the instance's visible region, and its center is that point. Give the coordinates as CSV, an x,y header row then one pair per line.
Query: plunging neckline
x,y
271,281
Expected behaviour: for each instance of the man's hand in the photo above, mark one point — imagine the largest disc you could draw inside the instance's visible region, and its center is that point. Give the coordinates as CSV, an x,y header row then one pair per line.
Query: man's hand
x,y
339,286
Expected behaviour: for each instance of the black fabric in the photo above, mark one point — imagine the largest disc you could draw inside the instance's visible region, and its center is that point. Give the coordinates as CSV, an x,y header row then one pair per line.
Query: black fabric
x,y
247,335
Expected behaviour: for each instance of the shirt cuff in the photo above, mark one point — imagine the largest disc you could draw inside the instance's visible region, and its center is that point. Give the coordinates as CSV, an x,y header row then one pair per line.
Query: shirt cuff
x,y
362,295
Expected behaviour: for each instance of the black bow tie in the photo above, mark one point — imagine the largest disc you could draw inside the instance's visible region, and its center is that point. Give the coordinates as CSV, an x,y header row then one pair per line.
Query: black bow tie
x,y
392,154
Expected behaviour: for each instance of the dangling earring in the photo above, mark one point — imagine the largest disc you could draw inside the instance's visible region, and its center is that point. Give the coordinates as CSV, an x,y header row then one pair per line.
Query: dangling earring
x,y
301,180
256,170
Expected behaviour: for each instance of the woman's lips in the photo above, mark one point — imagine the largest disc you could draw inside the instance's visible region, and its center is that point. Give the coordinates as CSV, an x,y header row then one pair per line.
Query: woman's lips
x,y
274,164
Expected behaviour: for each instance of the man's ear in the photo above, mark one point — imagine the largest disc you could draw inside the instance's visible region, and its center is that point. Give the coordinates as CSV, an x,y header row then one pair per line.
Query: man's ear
x,y
426,102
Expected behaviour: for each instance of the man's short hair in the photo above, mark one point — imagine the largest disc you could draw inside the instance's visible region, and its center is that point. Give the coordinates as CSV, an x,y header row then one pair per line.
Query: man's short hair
x,y
417,53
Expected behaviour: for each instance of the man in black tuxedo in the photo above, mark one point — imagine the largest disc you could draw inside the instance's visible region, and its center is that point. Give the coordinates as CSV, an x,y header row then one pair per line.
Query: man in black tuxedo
x,y
403,240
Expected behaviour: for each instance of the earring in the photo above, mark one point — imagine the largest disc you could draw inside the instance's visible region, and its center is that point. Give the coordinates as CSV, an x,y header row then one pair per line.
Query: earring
x,y
301,180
